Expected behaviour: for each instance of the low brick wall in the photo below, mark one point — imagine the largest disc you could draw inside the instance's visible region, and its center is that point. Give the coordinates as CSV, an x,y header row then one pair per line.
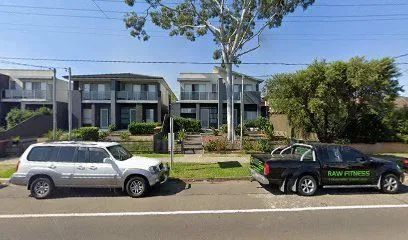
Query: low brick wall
x,y
386,147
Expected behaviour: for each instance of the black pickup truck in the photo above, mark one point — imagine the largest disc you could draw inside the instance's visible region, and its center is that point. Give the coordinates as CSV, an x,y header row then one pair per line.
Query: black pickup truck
x,y
302,168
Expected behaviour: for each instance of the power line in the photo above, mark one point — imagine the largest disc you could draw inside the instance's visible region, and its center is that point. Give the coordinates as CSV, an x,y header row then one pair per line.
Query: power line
x,y
62,8
402,55
156,62
262,21
147,62
24,64
100,9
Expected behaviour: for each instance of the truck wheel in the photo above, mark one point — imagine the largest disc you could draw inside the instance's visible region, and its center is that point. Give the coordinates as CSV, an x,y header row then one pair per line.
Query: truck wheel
x,y
306,186
136,187
390,184
41,188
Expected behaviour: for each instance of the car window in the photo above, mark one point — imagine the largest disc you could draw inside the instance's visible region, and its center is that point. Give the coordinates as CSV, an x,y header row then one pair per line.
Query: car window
x,y
119,153
351,155
308,155
40,154
96,155
82,155
330,154
66,154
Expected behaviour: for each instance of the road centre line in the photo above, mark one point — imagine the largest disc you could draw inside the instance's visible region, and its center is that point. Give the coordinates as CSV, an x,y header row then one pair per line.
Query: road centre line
x,y
198,212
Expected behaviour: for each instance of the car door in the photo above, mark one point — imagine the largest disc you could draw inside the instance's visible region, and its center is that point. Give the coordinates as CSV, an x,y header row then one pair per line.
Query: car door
x,y
91,171
360,170
333,168
62,163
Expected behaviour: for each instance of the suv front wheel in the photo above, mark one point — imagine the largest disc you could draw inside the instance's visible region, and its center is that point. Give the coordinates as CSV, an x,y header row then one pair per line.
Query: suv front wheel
x,y
136,187
41,188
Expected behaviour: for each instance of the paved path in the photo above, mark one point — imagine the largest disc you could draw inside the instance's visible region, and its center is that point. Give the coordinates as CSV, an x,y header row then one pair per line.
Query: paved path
x,y
163,219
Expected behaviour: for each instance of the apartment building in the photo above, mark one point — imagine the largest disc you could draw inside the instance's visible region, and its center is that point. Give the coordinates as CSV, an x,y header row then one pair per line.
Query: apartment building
x,y
119,99
32,89
203,97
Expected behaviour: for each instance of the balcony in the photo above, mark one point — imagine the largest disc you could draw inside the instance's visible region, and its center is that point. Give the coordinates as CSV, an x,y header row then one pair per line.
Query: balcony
x,y
137,96
198,95
95,95
42,95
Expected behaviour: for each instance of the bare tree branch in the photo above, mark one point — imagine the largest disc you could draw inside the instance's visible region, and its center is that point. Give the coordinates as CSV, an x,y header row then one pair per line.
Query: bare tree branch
x,y
250,50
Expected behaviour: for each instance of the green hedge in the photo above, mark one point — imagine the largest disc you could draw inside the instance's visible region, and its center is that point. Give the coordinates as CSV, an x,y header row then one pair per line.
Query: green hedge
x,y
262,145
16,116
189,125
86,133
136,128
138,146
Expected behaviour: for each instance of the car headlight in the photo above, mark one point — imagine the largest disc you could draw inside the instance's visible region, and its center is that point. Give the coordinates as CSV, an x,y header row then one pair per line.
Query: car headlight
x,y
154,169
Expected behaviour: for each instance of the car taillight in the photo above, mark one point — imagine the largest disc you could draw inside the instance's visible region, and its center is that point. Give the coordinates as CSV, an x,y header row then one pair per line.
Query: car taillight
x,y
266,169
406,162
18,164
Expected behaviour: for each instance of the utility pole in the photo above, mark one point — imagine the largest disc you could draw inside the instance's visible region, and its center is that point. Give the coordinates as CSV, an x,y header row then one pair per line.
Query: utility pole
x,y
54,105
233,112
69,104
242,111
171,142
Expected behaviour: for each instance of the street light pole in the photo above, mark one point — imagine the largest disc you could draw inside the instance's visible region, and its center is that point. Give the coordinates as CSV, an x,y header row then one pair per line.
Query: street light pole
x,y
54,105
233,112
69,104
242,111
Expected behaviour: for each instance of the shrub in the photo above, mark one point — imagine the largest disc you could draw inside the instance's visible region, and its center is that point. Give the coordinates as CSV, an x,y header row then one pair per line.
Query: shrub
x,y
141,128
224,128
112,128
263,145
215,144
181,135
140,146
124,136
86,133
189,125
50,135
103,135
16,116
215,131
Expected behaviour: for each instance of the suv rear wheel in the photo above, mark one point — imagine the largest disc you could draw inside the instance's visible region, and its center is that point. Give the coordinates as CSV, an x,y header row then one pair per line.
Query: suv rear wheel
x,y
306,186
390,183
41,188
136,187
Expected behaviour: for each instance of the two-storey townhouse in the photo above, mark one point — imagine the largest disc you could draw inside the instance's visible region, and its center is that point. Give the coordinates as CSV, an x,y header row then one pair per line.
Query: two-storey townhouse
x,y
32,89
203,97
118,99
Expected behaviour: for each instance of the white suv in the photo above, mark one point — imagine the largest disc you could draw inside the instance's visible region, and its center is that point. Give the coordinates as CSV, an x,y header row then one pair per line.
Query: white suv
x,y
45,166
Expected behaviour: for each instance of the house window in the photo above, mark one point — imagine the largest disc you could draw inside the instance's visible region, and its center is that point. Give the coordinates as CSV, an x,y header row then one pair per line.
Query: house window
x,y
12,85
149,115
214,87
87,116
188,110
28,86
249,115
249,87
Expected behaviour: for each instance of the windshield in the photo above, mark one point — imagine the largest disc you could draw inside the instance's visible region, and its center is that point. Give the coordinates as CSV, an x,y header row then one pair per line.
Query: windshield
x,y
119,153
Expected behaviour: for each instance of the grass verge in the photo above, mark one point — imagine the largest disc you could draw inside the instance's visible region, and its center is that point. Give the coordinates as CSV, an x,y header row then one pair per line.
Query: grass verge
x,y
201,171
6,170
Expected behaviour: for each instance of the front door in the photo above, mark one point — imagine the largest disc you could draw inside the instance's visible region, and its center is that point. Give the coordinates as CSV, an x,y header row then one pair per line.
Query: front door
x,y
104,121
132,115
205,118
360,169
91,171
333,168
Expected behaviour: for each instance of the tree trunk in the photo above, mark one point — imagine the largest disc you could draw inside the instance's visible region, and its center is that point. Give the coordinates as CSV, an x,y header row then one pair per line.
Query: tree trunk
x,y
229,87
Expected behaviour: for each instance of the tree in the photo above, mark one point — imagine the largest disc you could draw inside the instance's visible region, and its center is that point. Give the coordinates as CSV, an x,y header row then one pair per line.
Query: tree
x,y
339,100
236,26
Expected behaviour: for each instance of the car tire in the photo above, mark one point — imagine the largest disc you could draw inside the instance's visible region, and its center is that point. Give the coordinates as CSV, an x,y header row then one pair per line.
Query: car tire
x,y
390,184
136,187
41,188
306,186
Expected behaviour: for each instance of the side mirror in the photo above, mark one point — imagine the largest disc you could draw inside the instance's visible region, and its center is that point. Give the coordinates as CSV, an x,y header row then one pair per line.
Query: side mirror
x,y
107,160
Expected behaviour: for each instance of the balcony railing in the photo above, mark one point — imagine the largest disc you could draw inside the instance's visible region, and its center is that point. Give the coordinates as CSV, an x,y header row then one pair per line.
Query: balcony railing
x,y
28,94
127,95
95,95
198,95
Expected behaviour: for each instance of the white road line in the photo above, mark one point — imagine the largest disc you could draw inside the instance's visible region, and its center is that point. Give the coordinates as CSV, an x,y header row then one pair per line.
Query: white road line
x,y
198,212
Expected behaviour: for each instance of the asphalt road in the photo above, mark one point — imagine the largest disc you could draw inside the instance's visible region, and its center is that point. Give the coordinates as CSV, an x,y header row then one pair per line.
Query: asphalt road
x,y
179,210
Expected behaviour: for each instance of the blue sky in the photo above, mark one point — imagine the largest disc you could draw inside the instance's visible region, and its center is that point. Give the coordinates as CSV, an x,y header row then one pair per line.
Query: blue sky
x,y
27,35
